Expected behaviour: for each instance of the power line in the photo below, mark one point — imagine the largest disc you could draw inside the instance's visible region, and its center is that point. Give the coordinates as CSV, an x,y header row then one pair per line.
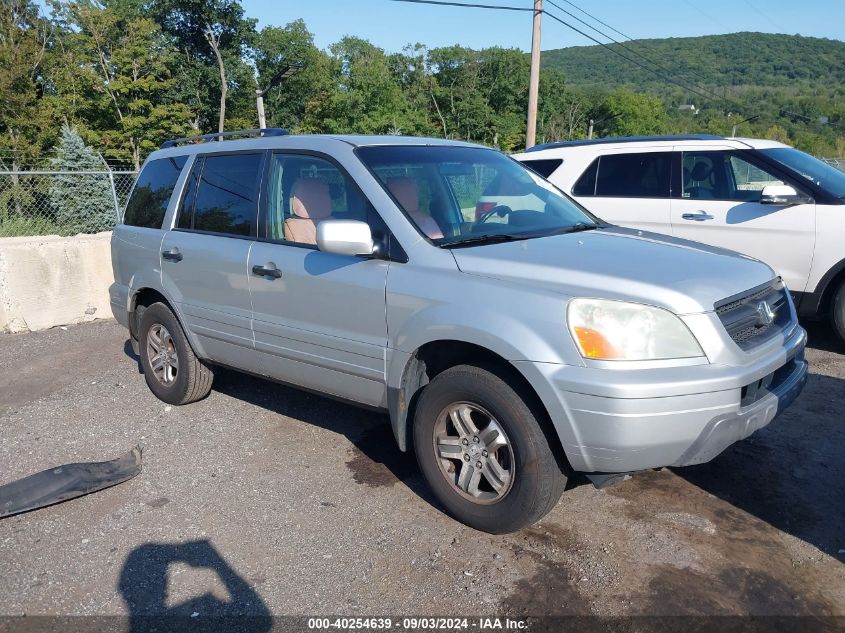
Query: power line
x,y
469,5
617,31
627,48
633,61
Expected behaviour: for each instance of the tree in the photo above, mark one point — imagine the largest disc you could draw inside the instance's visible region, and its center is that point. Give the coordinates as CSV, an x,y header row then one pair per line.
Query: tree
x,y
215,42
276,47
777,133
363,97
127,63
626,113
83,203
24,123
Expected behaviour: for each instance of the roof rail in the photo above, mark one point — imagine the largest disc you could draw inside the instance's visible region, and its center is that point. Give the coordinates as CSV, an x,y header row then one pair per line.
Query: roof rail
x,y
626,139
269,131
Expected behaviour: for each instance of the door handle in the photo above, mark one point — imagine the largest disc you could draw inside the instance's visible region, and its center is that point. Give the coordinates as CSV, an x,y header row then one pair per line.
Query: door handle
x,y
173,255
267,270
699,216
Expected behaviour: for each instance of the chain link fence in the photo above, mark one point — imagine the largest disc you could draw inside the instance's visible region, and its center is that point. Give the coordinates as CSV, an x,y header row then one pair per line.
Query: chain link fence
x,y
40,202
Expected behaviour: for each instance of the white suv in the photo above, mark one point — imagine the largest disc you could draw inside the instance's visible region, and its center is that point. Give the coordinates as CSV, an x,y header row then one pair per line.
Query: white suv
x,y
758,197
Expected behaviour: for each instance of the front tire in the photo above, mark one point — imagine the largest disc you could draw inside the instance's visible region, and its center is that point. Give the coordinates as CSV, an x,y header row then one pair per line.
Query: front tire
x,y
483,452
172,370
839,312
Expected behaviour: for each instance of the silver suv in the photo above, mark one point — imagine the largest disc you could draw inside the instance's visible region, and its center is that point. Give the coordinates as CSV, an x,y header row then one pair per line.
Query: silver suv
x,y
510,347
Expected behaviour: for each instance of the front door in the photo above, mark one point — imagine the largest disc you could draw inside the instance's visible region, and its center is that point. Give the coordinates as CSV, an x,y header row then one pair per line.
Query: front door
x,y
319,319
204,257
719,204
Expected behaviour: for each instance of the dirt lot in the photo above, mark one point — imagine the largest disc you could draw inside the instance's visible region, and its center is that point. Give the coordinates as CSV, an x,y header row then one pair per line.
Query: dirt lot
x,y
262,499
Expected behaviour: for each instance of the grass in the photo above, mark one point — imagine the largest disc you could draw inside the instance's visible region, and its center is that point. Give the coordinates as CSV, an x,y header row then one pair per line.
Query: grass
x,y
23,226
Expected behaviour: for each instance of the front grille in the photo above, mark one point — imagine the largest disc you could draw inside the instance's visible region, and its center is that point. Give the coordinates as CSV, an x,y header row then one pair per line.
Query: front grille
x,y
747,320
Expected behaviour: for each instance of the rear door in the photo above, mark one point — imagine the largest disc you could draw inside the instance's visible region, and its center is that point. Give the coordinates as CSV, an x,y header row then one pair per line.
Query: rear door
x,y
319,319
718,203
629,187
136,241
204,257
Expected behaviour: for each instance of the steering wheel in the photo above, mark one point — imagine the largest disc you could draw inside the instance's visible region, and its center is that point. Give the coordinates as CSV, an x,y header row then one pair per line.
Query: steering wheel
x,y
500,211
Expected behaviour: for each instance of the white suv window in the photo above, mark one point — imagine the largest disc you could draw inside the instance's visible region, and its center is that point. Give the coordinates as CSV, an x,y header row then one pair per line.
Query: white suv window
x,y
723,175
631,175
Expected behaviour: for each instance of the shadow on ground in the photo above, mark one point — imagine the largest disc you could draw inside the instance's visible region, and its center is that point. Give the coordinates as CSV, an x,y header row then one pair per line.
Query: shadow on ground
x,y
791,474
376,460
160,597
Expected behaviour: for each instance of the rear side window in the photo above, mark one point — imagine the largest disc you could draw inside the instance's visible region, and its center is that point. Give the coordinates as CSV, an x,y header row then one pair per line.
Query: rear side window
x,y
644,175
226,198
586,184
151,195
543,166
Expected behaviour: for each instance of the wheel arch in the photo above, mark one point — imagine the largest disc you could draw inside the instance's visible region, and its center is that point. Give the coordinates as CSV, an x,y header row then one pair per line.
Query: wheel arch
x,y
146,296
436,356
818,303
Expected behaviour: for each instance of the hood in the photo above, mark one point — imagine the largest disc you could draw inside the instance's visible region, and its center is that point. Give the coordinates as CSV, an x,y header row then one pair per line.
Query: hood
x,y
624,264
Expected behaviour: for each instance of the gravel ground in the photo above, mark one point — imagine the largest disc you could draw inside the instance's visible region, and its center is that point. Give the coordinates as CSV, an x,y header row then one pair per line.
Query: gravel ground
x,y
262,499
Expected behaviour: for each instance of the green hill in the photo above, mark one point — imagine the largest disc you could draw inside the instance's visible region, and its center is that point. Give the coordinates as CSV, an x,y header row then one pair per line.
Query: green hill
x,y
759,60
793,85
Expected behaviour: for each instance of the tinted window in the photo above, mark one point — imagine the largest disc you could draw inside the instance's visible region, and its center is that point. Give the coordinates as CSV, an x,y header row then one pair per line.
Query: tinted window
x,y
227,194
304,190
149,200
544,166
723,175
634,175
586,184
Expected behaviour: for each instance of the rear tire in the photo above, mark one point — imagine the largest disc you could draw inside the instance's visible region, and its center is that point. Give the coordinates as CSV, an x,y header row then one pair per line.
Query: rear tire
x,y
839,312
172,370
480,423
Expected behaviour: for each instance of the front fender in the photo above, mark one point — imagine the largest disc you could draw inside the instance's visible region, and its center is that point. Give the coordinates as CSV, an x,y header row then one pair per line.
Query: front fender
x,y
516,324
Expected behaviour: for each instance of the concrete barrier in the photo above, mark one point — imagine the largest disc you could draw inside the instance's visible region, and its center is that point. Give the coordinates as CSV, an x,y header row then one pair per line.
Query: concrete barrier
x,y
50,280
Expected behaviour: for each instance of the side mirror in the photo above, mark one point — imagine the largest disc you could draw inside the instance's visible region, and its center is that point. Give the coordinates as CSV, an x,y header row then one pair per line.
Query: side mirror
x,y
781,195
345,237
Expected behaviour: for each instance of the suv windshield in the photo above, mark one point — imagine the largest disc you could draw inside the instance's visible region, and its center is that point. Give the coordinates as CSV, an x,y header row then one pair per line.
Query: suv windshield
x,y
466,195
825,176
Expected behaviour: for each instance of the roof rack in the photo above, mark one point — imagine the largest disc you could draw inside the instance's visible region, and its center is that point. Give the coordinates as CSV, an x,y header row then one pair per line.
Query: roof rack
x,y
206,138
627,139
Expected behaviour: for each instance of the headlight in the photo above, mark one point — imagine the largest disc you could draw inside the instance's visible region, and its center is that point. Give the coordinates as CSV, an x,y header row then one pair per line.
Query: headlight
x,y
617,330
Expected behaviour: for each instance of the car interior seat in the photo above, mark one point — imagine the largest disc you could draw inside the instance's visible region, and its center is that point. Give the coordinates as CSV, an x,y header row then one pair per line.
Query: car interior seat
x,y
407,193
700,182
310,204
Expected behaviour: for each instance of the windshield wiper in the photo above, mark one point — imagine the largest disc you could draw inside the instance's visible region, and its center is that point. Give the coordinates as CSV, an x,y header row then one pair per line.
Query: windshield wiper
x,y
485,239
574,228
577,228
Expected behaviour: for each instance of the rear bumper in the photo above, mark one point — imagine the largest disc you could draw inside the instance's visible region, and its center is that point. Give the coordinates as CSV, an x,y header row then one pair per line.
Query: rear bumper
x,y
119,300
605,427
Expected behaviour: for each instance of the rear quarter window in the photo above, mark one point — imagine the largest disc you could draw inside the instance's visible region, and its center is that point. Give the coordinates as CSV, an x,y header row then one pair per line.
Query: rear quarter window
x,y
151,195
543,166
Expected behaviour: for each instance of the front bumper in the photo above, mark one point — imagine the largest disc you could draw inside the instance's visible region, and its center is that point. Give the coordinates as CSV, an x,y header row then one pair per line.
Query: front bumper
x,y
621,421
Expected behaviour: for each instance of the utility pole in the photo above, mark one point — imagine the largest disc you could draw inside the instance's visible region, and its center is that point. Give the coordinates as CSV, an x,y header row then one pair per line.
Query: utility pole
x,y
751,118
259,105
534,79
279,77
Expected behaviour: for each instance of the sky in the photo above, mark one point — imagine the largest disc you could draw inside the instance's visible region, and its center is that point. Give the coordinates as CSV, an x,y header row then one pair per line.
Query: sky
x,y
391,25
